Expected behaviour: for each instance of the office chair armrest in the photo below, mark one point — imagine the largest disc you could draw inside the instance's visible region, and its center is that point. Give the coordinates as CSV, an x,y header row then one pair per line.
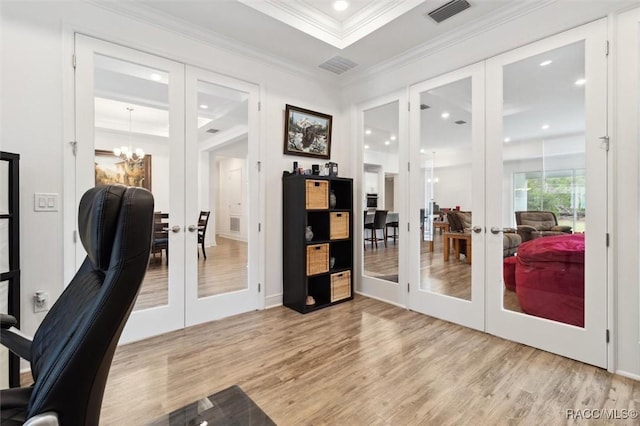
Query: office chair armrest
x,y
14,340
7,321
45,419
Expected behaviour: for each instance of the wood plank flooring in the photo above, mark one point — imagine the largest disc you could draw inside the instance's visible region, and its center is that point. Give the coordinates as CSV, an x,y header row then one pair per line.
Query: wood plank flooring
x,y
224,270
452,278
362,362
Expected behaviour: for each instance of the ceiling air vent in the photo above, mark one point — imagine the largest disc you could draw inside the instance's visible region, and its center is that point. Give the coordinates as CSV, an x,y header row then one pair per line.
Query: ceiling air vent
x,y
424,106
460,122
447,10
338,65
212,130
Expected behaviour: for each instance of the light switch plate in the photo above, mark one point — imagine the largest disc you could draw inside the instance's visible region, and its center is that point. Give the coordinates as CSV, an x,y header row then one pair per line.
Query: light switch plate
x,y
45,202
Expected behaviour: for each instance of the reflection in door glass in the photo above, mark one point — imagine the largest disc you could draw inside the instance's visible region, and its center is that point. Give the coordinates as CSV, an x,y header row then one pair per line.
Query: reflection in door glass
x,y
223,197
132,148
380,205
544,185
445,178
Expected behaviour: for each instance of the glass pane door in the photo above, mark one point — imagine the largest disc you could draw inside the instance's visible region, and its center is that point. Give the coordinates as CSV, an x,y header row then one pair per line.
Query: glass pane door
x,y
548,206
447,198
221,197
130,126
382,197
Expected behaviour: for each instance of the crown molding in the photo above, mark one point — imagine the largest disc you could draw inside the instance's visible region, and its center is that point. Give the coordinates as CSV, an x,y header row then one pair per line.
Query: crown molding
x,y
140,12
303,16
514,11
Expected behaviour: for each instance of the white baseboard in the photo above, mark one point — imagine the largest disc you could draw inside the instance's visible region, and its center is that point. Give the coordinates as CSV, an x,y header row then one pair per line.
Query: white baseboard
x,y
231,237
273,301
627,374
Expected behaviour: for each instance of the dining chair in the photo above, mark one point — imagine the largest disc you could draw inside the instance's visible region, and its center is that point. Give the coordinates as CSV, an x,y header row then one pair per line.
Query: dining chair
x,y
160,235
379,222
203,221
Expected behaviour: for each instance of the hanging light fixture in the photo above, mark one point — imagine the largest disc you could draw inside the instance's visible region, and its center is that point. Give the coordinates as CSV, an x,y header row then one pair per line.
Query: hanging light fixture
x,y
127,153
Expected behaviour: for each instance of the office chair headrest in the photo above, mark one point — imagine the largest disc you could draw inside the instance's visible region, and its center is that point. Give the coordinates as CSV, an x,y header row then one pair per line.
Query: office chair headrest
x,y
97,219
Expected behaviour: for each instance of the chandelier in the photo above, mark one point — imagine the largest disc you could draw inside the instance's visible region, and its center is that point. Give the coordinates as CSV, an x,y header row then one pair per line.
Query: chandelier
x,y
128,154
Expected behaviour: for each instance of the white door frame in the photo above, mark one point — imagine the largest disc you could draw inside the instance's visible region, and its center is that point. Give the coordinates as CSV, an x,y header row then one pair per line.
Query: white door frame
x,y
586,344
468,313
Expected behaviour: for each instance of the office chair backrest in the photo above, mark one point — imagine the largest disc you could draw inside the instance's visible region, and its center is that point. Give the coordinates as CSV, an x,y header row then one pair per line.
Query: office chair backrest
x,y
73,348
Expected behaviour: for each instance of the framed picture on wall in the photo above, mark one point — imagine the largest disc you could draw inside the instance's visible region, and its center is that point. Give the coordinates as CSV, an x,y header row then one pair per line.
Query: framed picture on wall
x,y
111,169
307,133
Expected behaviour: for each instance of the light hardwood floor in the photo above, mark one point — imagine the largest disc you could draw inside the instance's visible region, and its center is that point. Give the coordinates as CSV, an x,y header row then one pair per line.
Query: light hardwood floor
x,y
363,362
224,270
452,278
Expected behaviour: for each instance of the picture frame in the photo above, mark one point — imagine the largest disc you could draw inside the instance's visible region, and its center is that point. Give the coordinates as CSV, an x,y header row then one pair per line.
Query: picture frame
x,y
110,169
307,133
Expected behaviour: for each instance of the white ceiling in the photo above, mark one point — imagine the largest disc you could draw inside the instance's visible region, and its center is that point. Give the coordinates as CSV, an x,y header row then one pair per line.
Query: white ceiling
x,y
306,33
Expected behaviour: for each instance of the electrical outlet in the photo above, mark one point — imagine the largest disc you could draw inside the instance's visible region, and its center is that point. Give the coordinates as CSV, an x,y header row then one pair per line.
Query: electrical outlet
x,y
40,301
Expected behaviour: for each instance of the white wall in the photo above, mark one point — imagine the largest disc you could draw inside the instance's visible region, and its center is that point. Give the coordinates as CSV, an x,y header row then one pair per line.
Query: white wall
x,y
37,121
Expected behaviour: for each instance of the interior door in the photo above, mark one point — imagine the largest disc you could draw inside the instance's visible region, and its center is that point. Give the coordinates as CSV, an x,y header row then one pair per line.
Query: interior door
x,y
223,269
547,177
382,215
127,100
447,197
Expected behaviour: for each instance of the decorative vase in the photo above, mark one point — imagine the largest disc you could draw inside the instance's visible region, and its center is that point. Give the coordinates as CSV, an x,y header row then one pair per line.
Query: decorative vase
x,y
332,200
332,262
308,234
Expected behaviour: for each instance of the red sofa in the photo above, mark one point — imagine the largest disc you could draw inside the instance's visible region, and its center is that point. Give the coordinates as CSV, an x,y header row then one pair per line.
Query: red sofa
x,y
550,278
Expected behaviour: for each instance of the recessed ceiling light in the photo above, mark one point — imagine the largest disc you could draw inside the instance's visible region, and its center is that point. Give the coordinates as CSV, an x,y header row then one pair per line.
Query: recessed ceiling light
x,y
387,142
367,132
545,63
340,5
445,115
545,127
366,147
393,138
580,82
422,151
155,77
507,139
203,106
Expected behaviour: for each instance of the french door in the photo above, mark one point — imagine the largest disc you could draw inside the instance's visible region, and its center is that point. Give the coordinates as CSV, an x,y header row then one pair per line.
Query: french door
x,y
447,176
382,198
190,125
547,151
520,134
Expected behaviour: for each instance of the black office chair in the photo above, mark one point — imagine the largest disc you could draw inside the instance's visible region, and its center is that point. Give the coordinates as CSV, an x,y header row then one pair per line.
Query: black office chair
x,y
203,221
72,350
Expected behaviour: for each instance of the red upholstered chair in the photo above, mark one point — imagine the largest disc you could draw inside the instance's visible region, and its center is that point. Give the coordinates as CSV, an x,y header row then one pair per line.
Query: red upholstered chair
x,y
550,278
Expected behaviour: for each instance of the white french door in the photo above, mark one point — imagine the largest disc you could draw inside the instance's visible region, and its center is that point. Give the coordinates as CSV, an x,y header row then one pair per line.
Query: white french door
x,y
111,80
379,125
447,265
222,161
190,124
546,124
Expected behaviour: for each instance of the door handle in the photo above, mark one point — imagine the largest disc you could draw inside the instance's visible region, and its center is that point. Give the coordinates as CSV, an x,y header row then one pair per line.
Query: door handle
x,y
192,228
175,229
495,230
477,229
